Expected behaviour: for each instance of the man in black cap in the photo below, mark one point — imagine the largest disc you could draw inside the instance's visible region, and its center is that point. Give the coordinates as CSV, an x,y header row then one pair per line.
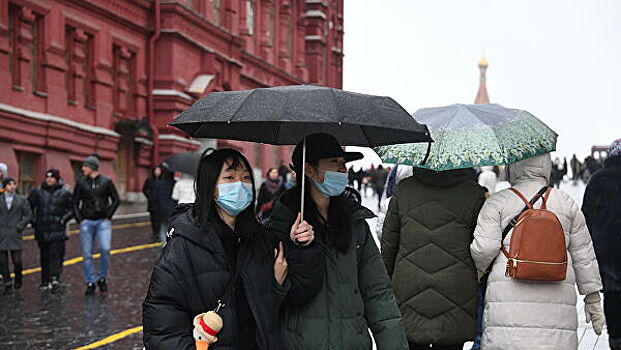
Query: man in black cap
x,y
95,200
52,208
356,294
15,214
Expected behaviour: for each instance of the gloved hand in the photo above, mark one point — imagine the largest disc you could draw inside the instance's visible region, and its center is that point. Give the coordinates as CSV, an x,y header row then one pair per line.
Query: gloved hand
x,y
594,312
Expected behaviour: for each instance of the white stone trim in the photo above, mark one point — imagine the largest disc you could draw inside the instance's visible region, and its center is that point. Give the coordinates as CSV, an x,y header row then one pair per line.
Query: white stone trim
x,y
315,14
179,138
313,38
143,140
315,2
57,119
200,83
171,92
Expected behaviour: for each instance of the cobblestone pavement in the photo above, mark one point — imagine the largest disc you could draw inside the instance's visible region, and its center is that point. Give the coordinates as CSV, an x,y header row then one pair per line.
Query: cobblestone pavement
x,y
35,319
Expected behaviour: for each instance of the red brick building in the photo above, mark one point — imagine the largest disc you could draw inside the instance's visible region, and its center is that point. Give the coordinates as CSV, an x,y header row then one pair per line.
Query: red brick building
x,y
106,76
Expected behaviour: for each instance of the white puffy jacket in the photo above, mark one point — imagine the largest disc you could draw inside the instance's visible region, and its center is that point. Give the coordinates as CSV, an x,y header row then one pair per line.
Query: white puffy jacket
x,y
530,315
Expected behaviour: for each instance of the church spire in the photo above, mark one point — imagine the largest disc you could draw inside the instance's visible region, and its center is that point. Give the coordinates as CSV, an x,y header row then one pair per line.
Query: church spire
x,y
482,96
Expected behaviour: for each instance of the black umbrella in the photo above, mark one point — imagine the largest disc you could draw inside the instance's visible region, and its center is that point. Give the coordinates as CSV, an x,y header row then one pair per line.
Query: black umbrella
x,y
284,115
186,162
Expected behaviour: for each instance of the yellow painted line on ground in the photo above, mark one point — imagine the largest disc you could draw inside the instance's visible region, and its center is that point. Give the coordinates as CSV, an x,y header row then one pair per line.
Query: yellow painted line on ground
x,y
111,339
115,227
97,256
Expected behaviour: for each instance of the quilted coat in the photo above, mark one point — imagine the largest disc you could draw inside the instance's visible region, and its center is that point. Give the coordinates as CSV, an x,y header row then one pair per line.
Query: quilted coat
x,y
425,245
530,315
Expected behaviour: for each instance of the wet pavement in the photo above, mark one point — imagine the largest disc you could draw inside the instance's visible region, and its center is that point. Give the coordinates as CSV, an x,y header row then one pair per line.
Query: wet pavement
x,y
35,319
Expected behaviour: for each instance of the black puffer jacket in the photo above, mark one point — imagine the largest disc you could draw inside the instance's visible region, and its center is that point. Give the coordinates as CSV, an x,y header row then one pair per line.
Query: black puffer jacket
x,y
193,272
602,210
52,207
94,199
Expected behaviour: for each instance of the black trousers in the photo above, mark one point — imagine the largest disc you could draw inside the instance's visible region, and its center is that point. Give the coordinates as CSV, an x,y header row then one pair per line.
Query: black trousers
x,y
51,257
436,346
155,223
16,256
612,309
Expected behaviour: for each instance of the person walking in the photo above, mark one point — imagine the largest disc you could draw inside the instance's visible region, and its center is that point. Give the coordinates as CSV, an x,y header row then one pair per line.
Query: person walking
x,y
219,256
163,201
95,200
3,174
356,295
283,170
425,245
183,191
602,209
378,181
398,173
147,190
52,208
15,214
576,168
269,191
535,315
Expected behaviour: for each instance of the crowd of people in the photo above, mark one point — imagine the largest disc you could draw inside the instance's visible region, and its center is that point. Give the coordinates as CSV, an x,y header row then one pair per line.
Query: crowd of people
x,y
279,280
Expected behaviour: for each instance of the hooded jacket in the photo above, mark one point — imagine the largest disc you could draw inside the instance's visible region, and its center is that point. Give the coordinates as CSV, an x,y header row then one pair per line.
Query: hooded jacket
x,y
194,271
532,315
425,245
356,296
52,208
602,209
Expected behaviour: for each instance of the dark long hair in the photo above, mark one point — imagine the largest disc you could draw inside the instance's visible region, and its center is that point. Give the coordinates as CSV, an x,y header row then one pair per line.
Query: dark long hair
x,y
207,175
339,232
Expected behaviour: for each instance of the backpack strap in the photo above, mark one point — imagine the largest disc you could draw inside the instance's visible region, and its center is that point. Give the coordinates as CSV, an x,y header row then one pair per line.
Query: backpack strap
x,y
544,199
519,194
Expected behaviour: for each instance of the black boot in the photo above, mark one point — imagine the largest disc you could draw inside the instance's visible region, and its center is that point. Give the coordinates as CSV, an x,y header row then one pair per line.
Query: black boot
x,y
103,287
90,289
55,284
18,281
44,285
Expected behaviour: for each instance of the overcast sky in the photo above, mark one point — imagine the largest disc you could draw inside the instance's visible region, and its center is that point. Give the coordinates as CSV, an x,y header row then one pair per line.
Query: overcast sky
x,y
558,59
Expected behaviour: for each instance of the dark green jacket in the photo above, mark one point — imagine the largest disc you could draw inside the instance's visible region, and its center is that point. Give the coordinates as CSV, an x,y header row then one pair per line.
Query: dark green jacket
x,y
353,298
426,247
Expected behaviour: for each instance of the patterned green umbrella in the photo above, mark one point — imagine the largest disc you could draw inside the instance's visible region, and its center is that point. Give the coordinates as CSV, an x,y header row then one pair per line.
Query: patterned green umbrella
x,y
469,136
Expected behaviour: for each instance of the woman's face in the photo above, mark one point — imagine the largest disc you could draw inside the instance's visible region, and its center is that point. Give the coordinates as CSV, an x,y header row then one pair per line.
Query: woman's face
x,y
230,175
327,164
157,172
273,174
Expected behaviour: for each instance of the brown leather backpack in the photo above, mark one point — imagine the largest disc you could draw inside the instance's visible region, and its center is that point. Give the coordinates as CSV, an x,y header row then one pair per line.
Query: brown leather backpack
x,y
538,251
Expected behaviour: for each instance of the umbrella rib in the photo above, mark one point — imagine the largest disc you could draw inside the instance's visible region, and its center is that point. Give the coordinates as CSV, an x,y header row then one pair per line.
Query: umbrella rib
x,y
240,105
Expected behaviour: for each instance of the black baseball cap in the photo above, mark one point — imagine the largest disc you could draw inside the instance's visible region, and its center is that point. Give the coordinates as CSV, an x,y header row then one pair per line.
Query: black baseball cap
x,y
321,146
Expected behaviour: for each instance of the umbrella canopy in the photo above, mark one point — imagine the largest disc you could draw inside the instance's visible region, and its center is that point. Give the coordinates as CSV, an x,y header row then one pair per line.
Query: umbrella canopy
x,y
186,162
283,115
469,136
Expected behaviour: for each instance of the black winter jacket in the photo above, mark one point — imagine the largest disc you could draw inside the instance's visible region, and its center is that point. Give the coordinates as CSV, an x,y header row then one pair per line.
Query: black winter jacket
x,y
602,210
94,199
52,208
193,272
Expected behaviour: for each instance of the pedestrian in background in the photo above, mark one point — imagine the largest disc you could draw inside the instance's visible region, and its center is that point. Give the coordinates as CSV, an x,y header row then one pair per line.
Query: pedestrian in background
x,y
378,181
283,170
269,191
3,173
183,191
95,200
220,255
397,173
356,296
52,208
163,201
576,167
425,245
602,210
523,315
147,190
15,214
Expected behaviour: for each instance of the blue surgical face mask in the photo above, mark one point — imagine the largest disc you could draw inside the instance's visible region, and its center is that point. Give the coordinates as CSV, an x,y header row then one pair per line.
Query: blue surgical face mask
x,y
334,183
234,197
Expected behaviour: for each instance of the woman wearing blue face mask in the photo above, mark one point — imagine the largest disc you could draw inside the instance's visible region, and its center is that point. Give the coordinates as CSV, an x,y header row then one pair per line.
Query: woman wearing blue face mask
x,y
356,294
219,255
